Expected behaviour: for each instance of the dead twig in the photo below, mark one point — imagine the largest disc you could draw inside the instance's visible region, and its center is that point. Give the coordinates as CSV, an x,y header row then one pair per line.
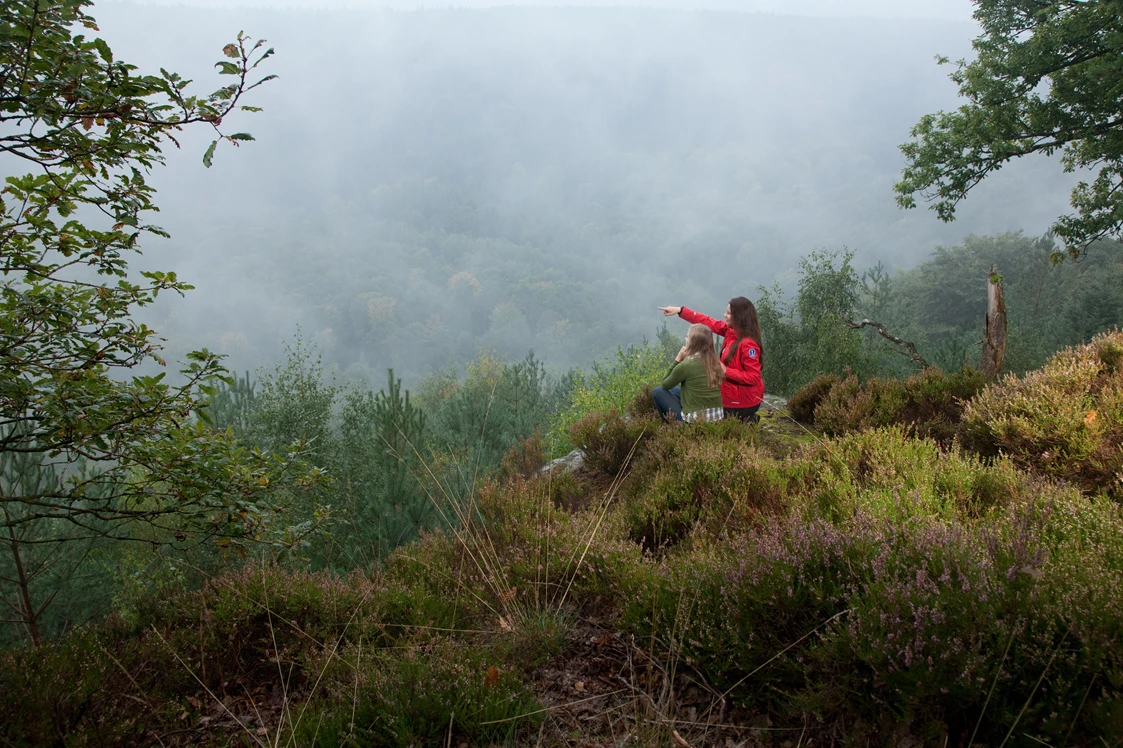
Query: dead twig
x,y
910,349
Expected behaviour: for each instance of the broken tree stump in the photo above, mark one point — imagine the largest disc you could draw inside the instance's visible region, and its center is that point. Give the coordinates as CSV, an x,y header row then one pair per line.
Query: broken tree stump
x,y
994,333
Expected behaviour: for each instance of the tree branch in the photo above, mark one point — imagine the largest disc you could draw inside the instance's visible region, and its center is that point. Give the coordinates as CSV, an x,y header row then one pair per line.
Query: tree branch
x,y
910,349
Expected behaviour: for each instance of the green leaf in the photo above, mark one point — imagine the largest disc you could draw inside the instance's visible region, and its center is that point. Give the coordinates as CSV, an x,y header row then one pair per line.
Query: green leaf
x,y
227,68
103,50
209,155
263,80
268,53
241,136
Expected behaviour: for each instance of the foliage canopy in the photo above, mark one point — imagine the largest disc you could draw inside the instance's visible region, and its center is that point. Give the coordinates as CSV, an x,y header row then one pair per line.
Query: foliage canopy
x,y
125,449
1048,77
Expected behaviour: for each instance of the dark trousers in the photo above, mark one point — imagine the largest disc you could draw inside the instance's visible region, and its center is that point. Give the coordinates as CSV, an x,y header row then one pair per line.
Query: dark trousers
x,y
668,401
747,415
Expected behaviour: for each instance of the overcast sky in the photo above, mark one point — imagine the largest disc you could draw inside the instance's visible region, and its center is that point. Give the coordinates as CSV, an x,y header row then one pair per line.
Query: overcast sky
x,y
546,156
955,10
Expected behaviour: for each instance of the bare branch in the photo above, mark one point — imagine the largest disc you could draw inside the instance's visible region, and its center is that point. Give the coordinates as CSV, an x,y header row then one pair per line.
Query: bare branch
x,y
910,349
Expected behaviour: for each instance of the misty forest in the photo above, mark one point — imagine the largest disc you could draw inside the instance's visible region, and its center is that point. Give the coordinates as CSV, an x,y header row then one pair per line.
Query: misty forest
x,y
328,375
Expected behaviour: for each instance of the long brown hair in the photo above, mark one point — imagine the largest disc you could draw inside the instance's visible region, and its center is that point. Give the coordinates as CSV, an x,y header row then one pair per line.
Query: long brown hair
x,y
700,343
743,320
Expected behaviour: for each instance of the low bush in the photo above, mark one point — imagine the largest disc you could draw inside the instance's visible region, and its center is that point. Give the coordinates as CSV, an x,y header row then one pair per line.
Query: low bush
x,y
422,694
710,478
930,402
1064,420
245,634
566,492
610,440
523,459
923,616
801,405
543,559
71,693
890,474
936,399
853,405
434,583
720,481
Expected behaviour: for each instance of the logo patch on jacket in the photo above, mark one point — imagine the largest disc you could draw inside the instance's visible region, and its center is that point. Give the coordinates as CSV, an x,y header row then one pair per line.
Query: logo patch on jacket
x,y
752,353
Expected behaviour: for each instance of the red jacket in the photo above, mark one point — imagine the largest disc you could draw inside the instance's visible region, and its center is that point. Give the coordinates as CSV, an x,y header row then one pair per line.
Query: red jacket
x,y
743,386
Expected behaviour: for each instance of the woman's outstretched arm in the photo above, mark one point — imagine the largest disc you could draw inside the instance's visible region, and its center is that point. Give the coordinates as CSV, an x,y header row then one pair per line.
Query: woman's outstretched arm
x,y
697,318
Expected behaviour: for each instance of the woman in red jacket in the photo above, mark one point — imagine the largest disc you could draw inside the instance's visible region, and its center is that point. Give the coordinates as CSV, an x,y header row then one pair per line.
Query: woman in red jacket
x,y
743,388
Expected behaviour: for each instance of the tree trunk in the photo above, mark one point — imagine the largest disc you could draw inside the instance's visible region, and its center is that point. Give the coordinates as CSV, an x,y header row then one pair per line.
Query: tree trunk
x,y
994,335
30,615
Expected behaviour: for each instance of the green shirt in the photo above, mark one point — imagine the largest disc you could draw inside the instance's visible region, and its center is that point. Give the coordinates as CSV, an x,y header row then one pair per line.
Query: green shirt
x,y
697,394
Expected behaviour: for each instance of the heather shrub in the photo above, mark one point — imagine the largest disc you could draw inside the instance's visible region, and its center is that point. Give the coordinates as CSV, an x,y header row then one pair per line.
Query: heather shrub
x,y
311,605
543,559
716,484
1068,546
936,399
922,628
930,402
241,629
924,615
712,485
523,459
1059,554
642,403
70,692
420,694
852,405
735,604
667,444
610,439
436,582
801,405
1064,420
565,491
889,474
973,486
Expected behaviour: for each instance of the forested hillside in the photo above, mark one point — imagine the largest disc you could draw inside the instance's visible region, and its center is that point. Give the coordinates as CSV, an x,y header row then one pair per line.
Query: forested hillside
x,y
430,184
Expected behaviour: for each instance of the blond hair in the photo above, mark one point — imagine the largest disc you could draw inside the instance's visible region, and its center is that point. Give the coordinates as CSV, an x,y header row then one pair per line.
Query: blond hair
x,y
700,343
